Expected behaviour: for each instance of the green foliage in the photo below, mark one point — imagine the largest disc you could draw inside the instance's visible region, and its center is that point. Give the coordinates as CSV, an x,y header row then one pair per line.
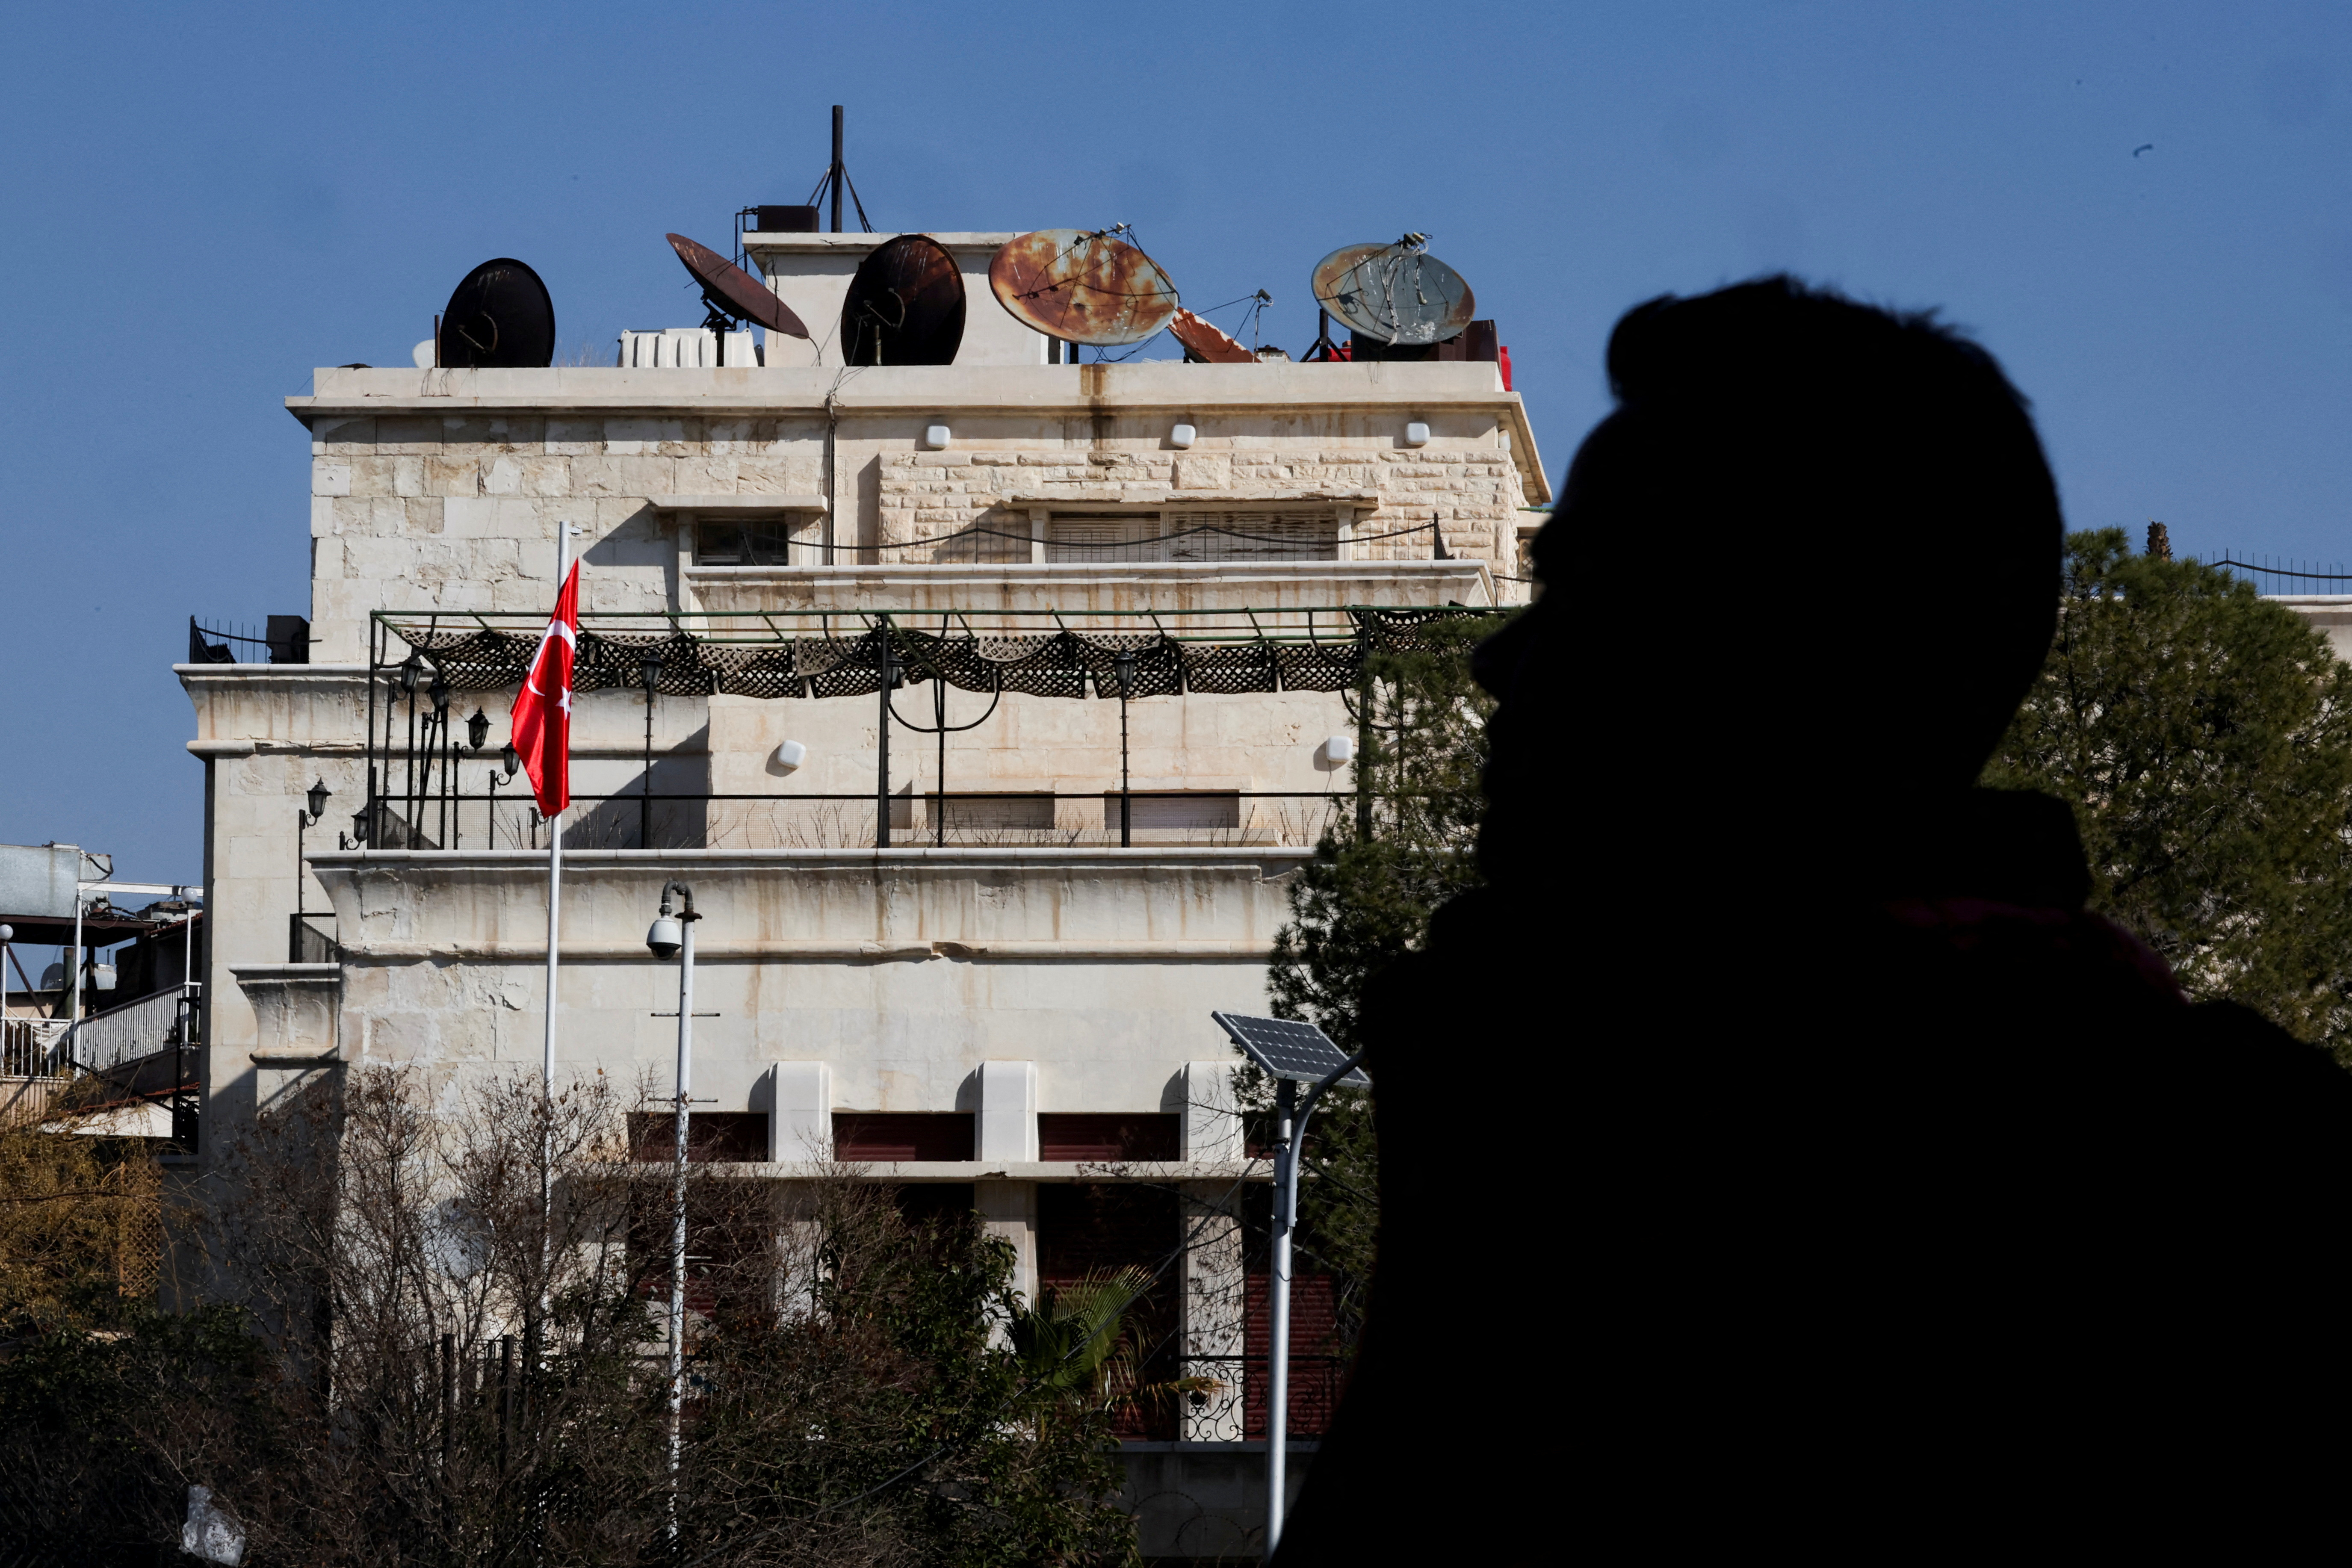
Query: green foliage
x,y
103,1430
1070,1342
890,1424
2204,738
852,1398
1365,900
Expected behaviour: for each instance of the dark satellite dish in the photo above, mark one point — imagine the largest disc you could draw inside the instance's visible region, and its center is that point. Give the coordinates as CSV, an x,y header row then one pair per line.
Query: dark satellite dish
x,y
499,317
905,305
1082,287
732,294
1395,293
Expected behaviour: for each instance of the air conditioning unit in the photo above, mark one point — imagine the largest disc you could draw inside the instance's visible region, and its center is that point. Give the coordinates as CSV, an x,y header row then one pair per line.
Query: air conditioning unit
x,y
676,348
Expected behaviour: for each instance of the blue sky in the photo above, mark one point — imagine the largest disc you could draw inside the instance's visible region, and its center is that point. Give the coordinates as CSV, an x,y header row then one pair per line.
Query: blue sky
x,y
2141,209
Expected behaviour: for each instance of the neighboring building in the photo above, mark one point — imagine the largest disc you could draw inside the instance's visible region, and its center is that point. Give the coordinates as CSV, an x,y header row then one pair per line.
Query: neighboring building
x,y
120,1001
1004,1004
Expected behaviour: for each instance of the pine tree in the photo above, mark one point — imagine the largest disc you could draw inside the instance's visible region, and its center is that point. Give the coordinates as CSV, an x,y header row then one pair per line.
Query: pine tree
x,y
2203,737
1379,872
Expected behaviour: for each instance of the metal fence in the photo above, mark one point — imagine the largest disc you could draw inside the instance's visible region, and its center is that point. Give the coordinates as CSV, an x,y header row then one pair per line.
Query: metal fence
x,y
2279,576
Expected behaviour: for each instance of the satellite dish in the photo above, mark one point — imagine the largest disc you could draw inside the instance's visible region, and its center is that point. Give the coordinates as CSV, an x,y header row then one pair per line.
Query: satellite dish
x,y
732,294
1206,342
1395,293
1082,287
905,305
499,317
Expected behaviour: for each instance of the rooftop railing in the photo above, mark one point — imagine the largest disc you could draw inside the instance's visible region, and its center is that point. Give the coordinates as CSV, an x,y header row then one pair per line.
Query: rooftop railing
x,y
2277,575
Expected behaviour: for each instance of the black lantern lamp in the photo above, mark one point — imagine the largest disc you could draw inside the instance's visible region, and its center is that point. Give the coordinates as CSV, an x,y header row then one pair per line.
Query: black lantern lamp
x,y
412,671
478,728
438,693
649,668
360,827
317,799
509,760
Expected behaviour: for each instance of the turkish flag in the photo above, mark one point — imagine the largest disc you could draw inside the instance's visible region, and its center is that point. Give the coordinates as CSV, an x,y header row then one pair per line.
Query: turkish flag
x,y
542,725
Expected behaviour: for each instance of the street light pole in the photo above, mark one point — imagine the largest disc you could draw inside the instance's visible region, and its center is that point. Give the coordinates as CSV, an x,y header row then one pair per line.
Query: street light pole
x,y
673,937
1291,1114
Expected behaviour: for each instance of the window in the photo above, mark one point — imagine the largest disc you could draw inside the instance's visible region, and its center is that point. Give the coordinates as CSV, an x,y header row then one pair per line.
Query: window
x,y
1189,535
787,540
1106,1135
1174,813
1085,1229
722,1135
998,811
895,1136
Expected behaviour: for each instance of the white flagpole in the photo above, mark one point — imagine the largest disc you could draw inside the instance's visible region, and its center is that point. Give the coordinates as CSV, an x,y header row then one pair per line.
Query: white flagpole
x,y
547,1049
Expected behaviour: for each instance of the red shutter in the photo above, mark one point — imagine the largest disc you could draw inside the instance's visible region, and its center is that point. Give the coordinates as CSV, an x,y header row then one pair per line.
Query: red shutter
x,y
896,1136
1107,1135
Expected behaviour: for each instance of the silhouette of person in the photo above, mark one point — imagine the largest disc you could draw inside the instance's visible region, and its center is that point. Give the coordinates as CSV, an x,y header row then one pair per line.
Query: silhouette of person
x,y
1775,1151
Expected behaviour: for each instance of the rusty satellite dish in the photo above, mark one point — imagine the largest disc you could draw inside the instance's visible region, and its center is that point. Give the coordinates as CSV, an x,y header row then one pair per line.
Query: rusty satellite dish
x,y
905,306
733,294
1204,340
1082,287
499,317
1395,293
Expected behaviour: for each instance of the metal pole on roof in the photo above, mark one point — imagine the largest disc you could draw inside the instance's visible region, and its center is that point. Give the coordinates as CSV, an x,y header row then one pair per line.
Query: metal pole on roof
x,y
835,175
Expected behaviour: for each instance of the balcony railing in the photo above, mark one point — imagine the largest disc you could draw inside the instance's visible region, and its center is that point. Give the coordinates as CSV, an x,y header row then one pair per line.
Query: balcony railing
x,y
419,662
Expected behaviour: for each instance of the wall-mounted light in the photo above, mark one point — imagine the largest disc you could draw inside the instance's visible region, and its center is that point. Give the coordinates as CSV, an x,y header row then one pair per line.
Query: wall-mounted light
x,y
1416,433
788,756
1339,748
478,728
935,436
1182,437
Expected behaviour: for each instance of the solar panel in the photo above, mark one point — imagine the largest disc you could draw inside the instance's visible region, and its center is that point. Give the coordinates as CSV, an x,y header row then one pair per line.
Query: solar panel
x,y
1287,1048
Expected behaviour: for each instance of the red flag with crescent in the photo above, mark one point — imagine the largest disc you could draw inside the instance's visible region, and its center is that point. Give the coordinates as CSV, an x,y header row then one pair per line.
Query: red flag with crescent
x,y
542,725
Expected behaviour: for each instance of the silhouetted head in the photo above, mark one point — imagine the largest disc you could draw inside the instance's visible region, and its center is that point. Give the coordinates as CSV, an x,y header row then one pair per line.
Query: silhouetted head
x,y
1814,549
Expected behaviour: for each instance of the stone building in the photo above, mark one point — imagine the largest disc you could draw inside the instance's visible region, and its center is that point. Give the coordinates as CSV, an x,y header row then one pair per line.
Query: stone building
x,y
1004,1002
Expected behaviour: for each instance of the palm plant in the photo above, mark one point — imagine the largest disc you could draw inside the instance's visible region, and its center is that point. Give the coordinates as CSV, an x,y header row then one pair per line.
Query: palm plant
x,y
1075,1342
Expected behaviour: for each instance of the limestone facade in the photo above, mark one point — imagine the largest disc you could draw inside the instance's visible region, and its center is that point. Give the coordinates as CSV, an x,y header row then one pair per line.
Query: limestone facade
x,y
1010,976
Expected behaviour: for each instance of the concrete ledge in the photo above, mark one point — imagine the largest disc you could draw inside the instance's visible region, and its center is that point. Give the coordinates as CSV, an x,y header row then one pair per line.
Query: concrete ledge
x,y
1188,856
1001,1170
736,505
1016,952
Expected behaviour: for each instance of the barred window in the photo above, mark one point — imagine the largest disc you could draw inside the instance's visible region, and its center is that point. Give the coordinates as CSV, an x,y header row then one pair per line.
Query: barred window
x,y
1189,535
788,541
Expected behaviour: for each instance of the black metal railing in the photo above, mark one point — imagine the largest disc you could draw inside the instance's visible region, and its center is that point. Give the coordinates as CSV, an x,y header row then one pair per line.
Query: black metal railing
x,y
2279,576
1236,1409
283,639
419,663
306,943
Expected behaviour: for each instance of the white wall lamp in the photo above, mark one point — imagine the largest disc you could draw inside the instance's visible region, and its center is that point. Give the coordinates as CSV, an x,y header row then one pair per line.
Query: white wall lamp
x,y
1182,437
1339,749
935,437
1416,433
787,757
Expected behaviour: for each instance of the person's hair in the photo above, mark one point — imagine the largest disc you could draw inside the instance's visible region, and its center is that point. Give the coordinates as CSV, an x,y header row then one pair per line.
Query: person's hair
x,y
1862,489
